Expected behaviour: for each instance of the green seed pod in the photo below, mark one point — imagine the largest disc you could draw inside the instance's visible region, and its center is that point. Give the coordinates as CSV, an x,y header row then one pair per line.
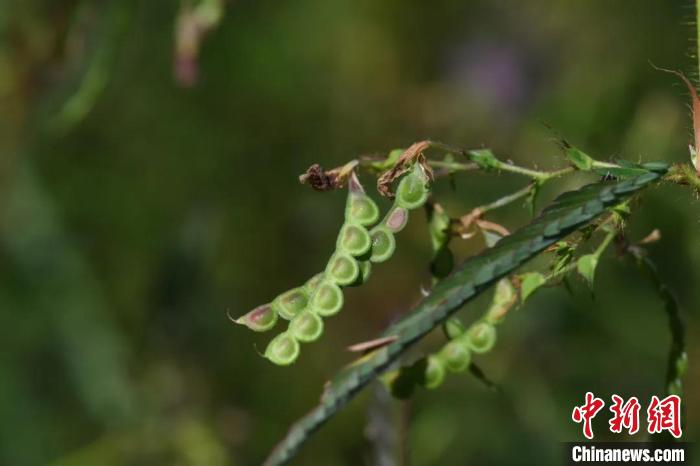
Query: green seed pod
x,y
396,219
365,271
282,350
453,328
313,282
413,189
260,319
456,355
328,299
481,337
360,208
363,210
306,327
290,303
354,239
343,269
383,244
434,372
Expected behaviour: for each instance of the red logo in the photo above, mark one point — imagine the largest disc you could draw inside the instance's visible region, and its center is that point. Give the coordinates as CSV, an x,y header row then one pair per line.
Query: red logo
x,y
662,415
665,415
624,415
586,412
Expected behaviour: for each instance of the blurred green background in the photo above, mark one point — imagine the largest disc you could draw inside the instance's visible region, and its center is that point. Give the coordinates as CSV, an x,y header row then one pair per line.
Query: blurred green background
x,y
136,209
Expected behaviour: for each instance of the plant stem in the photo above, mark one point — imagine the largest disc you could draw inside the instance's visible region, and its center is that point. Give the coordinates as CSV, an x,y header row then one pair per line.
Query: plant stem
x,y
512,168
605,243
506,167
505,200
534,174
453,166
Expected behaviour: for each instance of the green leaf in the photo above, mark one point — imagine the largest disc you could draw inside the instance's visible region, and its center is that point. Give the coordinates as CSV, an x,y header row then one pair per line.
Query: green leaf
x,y
389,162
586,266
579,159
624,169
569,212
484,158
619,172
531,281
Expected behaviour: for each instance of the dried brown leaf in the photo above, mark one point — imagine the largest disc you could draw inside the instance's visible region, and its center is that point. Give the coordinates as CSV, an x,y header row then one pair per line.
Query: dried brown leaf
x,y
410,155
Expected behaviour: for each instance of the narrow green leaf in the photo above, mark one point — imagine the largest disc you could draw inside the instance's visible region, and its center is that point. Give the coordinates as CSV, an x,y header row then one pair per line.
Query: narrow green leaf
x,y
531,281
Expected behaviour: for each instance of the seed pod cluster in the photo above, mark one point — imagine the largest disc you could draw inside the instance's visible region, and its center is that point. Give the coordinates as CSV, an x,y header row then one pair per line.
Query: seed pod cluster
x,y
412,192
357,247
456,355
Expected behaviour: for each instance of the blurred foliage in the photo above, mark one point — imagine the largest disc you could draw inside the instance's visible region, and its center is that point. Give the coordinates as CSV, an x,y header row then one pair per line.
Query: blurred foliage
x,y
135,212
